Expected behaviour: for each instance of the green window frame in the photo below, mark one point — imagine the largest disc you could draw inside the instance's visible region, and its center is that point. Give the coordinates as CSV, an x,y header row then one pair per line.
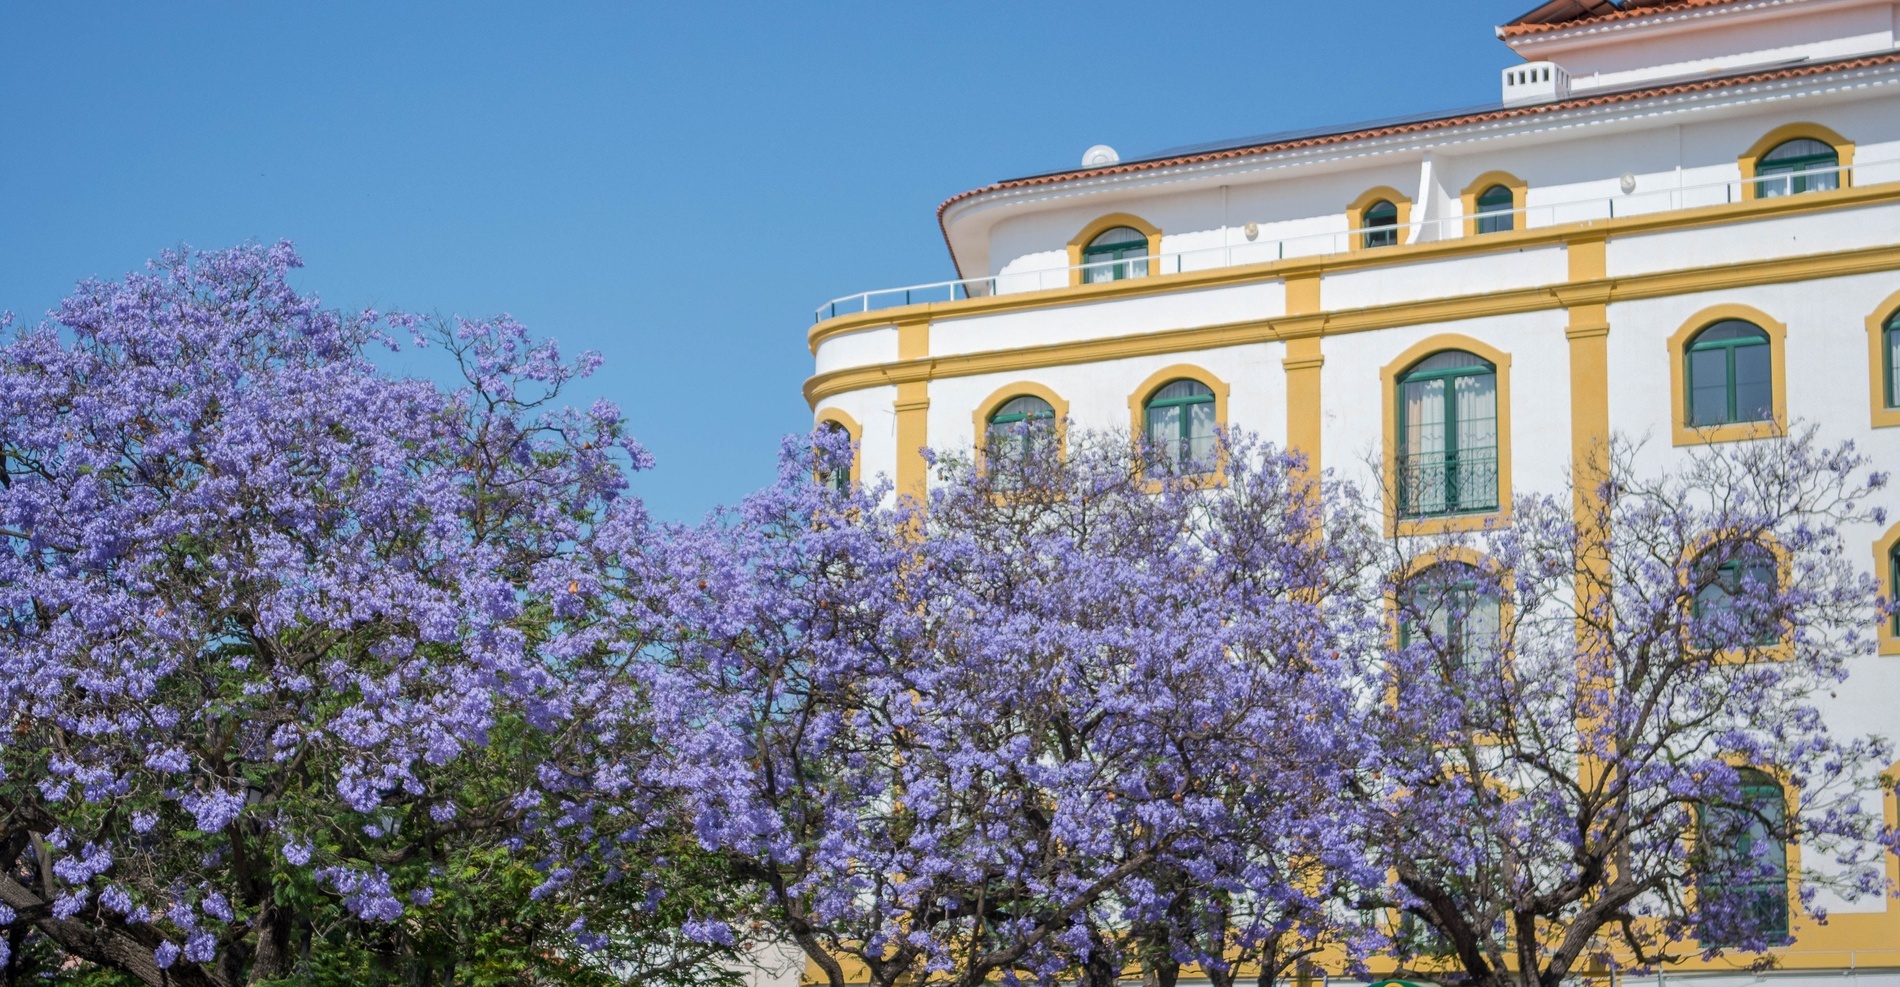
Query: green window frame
x,y
1497,210
1729,369
1890,351
1115,255
1020,426
1381,223
1893,588
1448,436
1460,610
1793,167
1721,586
1748,835
836,480
1179,424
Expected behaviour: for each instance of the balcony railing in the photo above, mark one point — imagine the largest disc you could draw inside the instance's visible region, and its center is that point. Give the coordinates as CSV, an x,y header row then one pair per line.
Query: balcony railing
x,y
1634,203
1435,483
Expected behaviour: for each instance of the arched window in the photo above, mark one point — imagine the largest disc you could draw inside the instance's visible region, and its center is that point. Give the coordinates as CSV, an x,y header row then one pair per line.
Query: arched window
x,y
836,479
1496,207
1381,224
1115,255
1448,436
1456,611
1890,358
1730,372
1737,597
1743,891
1893,587
1800,165
1179,423
1023,425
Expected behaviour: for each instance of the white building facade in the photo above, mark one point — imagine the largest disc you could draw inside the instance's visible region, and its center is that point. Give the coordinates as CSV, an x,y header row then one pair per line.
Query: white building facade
x,y
1682,221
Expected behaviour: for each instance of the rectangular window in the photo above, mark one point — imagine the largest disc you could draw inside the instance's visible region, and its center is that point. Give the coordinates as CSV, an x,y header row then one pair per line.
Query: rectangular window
x,y
1200,436
1497,222
1893,366
1708,386
1754,384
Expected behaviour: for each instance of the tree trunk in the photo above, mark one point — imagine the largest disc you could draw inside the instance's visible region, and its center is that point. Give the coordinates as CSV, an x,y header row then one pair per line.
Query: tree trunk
x,y
274,957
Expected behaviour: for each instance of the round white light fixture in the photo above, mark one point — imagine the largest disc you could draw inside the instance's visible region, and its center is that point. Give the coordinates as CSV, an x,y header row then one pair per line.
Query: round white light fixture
x,y
1100,156
1628,181
1252,230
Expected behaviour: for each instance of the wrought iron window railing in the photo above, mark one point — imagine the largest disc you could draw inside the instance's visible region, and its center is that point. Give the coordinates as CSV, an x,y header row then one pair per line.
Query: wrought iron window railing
x,y
1435,483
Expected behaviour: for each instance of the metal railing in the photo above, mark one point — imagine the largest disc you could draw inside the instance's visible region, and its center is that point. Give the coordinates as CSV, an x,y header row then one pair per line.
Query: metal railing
x,y
1262,250
1435,483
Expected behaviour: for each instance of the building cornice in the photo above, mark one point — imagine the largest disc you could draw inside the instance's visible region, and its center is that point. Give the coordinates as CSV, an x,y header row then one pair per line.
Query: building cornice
x,y
1778,270
1737,89
1399,255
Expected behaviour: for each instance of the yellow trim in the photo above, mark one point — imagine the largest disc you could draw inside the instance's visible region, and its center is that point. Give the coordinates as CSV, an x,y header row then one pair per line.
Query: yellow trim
x,y
1138,404
1889,643
1003,395
913,422
1686,435
1356,213
1507,612
1388,391
1520,193
1877,361
1588,334
1750,159
1791,816
852,428
1433,250
1302,364
1662,284
1783,648
1103,225
1304,410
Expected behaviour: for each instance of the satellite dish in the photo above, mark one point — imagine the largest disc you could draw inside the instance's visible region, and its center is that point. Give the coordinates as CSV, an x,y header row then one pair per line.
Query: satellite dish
x,y
1100,156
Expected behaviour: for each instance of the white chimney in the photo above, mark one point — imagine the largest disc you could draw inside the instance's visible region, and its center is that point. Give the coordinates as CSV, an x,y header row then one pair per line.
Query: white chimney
x,y
1535,82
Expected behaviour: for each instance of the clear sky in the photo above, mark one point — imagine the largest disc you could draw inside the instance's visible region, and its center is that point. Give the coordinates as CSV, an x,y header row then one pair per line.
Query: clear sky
x,y
677,186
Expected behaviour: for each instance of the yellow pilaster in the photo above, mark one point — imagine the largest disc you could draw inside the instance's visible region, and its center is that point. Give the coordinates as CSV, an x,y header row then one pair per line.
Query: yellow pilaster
x,y
1303,361
1589,336
913,409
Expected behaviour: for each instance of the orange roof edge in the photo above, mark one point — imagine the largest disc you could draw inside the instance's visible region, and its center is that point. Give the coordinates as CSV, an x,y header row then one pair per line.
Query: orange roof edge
x,y
1559,14
1419,126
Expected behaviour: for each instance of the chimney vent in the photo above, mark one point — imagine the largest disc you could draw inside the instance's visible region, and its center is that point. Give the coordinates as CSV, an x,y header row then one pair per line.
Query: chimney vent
x,y
1535,82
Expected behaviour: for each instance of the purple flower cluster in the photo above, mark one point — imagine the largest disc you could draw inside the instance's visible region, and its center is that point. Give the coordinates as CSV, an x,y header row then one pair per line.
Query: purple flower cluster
x,y
269,607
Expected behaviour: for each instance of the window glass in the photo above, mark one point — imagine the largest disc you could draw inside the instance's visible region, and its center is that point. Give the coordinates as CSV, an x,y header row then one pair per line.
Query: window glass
x,y
1024,424
1115,255
1730,374
839,480
1893,585
1745,888
1737,597
1448,436
1892,351
1180,424
1495,206
1797,166
1381,223
1458,614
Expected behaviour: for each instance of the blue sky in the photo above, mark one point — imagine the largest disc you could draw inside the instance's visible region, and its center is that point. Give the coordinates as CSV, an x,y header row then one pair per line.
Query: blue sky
x,y
676,186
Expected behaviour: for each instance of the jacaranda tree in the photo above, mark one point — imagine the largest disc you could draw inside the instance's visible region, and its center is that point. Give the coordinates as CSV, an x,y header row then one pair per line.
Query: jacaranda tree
x,y
1051,726
286,636
1605,728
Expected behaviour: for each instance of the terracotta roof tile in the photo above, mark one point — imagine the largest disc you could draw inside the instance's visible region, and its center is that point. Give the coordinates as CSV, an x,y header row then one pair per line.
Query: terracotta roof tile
x,y
1420,126
1515,30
